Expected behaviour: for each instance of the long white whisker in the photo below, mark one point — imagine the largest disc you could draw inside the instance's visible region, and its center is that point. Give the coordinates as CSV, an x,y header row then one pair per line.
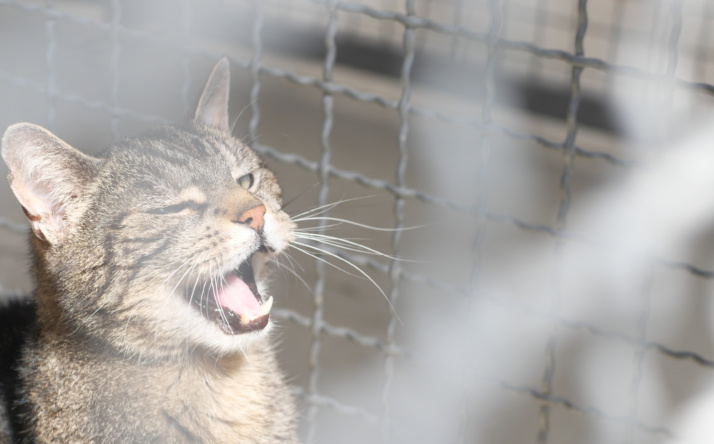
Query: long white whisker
x,y
362,272
293,245
316,210
290,259
214,291
322,227
357,224
181,279
176,270
294,273
327,207
193,291
348,245
201,296
220,308
345,245
310,234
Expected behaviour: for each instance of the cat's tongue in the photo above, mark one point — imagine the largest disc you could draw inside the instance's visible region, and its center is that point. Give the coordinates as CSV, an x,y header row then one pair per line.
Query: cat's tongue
x,y
236,296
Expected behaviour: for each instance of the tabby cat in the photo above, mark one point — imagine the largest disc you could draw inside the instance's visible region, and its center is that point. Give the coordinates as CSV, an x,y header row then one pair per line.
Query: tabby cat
x,y
151,315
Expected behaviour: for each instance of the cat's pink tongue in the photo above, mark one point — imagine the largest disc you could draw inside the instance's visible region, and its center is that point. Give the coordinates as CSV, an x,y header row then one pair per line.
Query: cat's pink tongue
x,y
236,296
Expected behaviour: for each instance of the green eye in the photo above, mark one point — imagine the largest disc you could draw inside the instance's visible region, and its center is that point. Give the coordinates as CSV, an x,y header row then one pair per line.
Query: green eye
x,y
246,181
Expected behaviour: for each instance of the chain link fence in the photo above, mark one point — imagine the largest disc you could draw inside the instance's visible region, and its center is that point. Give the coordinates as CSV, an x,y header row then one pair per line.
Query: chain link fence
x,y
526,293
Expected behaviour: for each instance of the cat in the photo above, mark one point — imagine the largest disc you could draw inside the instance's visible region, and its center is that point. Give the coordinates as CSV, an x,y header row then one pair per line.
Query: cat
x,y
150,320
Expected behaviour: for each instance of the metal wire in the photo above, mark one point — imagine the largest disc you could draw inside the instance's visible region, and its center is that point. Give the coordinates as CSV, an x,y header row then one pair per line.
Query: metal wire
x,y
409,49
412,22
323,199
571,122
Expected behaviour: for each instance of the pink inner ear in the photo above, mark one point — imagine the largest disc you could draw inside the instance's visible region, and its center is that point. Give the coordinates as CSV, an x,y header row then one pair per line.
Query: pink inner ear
x,y
44,214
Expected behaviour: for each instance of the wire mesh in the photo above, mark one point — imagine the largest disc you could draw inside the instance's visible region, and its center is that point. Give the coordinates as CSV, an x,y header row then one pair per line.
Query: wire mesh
x,y
561,47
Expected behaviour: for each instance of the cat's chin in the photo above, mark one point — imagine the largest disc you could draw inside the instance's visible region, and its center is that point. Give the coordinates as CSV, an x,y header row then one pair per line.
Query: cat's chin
x,y
231,301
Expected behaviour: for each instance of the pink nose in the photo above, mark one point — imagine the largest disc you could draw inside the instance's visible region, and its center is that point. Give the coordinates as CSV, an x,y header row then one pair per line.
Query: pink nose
x,y
253,217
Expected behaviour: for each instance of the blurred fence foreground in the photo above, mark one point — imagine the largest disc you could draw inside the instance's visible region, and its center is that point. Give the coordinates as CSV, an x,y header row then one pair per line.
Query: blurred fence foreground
x,y
554,155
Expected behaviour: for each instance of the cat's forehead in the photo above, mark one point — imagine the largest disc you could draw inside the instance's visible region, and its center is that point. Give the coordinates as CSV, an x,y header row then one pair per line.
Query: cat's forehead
x,y
185,151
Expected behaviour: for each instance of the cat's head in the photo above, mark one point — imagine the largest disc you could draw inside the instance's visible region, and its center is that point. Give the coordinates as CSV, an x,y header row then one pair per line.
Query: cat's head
x,y
160,245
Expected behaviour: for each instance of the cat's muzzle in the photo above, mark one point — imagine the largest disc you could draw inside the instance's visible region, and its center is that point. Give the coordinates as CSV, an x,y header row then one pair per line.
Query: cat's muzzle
x,y
232,301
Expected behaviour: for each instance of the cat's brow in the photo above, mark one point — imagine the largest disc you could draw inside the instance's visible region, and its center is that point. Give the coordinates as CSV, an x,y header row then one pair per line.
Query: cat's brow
x,y
193,194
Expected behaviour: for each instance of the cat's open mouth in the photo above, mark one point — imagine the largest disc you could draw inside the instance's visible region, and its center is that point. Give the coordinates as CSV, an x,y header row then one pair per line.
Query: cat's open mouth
x,y
232,301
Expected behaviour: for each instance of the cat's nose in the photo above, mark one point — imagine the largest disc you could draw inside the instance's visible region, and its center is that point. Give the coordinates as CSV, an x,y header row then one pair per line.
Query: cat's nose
x,y
253,217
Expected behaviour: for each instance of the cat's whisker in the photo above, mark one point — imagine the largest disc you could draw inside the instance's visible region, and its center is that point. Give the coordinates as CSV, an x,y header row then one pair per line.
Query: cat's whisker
x,y
343,244
190,270
299,195
220,308
314,256
176,271
245,108
288,257
362,272
349,245
294,273
181,279
201,296
193,291
292,261
249,140
216,285
356,224
212,291
311,232
317,228
279,265
324,208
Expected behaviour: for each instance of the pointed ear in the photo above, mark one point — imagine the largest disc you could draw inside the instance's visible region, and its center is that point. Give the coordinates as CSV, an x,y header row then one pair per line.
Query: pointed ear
x,y
47,176
212,108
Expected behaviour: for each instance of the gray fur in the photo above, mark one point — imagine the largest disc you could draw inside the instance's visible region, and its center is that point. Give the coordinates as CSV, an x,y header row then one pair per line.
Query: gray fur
x,y
116,355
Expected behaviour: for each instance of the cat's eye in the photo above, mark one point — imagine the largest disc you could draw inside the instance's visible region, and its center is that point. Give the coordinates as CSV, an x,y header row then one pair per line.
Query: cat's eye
x,y
173,209
246,181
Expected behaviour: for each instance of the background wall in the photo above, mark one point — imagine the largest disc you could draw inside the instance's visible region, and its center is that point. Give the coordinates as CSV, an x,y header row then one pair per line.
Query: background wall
x,y
545,164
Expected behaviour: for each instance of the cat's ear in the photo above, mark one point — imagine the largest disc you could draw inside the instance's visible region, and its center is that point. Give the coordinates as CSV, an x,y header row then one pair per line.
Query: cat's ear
x,y
212,108
47,176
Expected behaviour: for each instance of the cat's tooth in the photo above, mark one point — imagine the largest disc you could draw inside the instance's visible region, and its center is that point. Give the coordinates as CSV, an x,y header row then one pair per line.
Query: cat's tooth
x,y
262,311
267,305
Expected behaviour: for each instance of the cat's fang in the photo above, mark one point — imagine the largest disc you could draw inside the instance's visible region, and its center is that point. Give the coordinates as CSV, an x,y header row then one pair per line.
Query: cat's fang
x,y
253,322
266,306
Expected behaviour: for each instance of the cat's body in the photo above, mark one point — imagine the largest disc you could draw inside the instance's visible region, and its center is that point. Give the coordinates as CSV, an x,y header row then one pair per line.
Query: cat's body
x,y
149,322
94,398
